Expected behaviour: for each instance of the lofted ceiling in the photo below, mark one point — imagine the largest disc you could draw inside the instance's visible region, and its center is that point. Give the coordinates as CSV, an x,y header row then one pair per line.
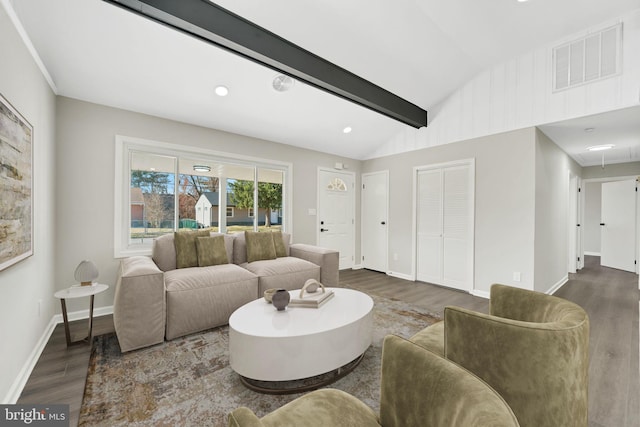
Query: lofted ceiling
x,y
421,50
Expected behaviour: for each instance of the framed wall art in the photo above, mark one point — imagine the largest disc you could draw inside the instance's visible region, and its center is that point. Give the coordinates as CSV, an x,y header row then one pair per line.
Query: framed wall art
x,y
16,186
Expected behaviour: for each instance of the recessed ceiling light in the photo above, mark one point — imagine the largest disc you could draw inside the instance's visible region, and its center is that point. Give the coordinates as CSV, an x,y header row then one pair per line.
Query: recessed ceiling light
x,y
222,90
601,147
521,1
347,129
282,83
202,168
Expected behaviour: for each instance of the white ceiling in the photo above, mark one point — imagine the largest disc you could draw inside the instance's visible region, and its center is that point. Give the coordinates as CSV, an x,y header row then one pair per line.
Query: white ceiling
x,y
421,50
620,128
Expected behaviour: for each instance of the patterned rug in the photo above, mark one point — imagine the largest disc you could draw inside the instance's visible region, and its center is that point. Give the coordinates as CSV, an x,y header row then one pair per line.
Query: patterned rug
x,y
188,381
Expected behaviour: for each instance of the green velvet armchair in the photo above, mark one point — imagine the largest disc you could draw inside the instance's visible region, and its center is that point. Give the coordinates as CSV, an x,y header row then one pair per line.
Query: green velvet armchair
x,y
533,349
418,389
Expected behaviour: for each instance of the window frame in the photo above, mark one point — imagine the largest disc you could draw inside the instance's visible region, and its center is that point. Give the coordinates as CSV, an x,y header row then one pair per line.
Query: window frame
x,y
232,210
125,145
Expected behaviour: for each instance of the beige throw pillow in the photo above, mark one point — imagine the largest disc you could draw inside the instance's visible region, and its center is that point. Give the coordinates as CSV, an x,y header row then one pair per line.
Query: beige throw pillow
x,y
259,246
185,243
211,251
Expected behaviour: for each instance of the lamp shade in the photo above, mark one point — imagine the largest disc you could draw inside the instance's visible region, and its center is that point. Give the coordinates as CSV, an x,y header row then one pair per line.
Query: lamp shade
x,y
86,272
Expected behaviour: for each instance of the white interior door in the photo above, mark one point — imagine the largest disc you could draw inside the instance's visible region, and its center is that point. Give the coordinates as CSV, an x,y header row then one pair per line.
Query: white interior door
x,y
336,206
444,225
618,225
375,207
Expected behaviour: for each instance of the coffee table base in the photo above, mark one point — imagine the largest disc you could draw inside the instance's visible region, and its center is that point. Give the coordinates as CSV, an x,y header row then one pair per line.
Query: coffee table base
x,y
302,385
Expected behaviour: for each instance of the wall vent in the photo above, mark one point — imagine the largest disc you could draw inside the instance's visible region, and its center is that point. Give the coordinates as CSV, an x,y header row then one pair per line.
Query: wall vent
x,y
586,60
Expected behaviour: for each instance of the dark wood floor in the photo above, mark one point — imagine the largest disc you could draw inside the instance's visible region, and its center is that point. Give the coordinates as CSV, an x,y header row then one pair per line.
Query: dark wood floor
x,y
611,298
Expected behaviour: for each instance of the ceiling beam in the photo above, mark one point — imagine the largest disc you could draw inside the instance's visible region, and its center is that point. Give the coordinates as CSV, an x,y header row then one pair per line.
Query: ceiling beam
x,y
216,25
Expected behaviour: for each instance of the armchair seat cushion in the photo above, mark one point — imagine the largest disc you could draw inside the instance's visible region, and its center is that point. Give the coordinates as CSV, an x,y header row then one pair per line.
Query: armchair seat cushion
x,y
431,338
287,273
199,298
320,408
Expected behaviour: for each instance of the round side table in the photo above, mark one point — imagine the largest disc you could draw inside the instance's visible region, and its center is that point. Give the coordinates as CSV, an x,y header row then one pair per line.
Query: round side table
x,y
78,291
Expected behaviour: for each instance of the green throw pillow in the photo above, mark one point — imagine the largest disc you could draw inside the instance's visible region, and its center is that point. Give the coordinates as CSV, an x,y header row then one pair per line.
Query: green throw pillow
x,y
259,246
211,251
278,242
185,243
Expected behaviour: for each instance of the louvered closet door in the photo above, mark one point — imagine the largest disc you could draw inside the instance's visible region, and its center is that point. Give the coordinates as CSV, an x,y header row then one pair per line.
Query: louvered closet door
x,y
444,225
456,228
429,226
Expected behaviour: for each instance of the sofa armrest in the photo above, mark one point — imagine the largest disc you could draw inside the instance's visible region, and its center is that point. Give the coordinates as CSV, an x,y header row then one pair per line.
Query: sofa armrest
x,y
139,308
327,259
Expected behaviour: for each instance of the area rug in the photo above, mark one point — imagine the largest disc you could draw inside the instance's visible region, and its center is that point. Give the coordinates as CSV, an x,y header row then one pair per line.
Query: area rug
x,y
188,381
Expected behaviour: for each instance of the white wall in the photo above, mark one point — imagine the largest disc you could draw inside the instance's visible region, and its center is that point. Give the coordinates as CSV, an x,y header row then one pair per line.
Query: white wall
x,y
85,159
517,94
592,213
504,211
24,284
551,213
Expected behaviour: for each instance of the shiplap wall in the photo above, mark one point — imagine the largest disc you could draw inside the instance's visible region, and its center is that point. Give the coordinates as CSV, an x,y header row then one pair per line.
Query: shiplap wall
x,y
518,94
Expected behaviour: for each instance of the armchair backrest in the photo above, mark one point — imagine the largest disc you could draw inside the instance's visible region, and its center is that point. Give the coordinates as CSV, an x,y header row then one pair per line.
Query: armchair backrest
x,y
533,350
421,388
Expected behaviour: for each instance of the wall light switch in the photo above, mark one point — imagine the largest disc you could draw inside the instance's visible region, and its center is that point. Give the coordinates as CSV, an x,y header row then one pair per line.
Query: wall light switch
x,y
516,276
312,211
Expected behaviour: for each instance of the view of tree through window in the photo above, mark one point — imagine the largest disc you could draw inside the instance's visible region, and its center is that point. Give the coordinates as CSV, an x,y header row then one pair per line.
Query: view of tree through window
x,y
167,193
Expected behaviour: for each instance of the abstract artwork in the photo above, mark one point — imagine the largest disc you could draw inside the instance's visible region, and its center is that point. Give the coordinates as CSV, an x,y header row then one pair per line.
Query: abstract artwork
x,y
16,193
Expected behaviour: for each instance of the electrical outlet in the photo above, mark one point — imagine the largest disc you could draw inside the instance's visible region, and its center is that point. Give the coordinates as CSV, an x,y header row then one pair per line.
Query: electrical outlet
x,y
395,257
516,276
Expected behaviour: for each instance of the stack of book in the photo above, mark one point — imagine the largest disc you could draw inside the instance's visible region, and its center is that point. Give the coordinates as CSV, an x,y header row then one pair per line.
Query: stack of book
x,y
314,300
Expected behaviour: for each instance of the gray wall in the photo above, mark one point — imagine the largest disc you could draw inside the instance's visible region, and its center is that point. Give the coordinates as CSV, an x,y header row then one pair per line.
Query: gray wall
x,y
85,159
504,204
552,212
24,285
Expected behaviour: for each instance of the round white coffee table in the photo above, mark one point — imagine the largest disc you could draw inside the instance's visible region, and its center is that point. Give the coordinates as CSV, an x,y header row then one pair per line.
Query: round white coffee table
x,y
299,343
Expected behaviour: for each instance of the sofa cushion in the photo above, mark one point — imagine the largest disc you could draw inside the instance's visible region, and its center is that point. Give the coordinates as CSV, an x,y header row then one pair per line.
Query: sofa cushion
x,y
185,243
164,252
211,251
287,273
200,298
259,246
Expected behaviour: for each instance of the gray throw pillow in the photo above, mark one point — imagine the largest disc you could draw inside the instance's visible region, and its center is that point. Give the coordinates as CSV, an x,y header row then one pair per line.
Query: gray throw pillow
x,y
259,246
211,251
278,242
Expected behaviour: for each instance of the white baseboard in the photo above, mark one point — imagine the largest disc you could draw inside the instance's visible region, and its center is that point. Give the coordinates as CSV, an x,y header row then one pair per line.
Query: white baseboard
x,y
357,267
21,380
481,294
558,285
592,253
403,276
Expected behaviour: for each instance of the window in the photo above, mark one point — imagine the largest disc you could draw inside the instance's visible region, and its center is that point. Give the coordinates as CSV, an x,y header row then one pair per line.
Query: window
x,y
161,188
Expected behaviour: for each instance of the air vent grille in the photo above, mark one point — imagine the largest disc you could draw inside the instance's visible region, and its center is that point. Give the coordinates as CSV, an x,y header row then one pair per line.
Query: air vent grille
x,y
588,59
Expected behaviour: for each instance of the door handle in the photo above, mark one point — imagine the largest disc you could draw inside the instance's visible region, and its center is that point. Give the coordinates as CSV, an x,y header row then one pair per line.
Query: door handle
x,y
383,223
324,229
602,223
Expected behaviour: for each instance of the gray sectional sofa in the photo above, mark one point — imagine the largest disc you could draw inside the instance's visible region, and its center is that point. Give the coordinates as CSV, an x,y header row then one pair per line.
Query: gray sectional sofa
x,y
154,299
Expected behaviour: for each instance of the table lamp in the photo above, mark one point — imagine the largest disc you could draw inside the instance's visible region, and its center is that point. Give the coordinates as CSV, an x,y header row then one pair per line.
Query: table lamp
x,y
86,273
